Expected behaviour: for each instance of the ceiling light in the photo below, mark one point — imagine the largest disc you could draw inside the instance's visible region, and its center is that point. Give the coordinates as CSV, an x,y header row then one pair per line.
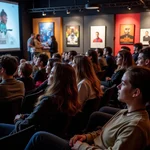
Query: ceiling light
x,y
98,10
43,14
129,8
54,12
91,6
68,12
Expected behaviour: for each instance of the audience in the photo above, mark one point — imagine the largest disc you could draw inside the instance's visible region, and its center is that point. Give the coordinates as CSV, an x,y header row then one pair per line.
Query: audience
x,y
10,88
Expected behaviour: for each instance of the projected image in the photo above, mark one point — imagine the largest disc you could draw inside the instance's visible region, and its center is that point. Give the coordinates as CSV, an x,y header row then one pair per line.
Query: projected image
x,y
9,26
46,30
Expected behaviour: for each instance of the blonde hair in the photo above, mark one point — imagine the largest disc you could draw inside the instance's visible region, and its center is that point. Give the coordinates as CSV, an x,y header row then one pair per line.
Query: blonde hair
x,y
84,69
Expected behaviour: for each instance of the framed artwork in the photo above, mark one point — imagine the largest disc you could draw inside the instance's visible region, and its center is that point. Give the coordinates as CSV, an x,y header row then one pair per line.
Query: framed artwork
x,y
127,33
145,36
97,39
46,30
72,36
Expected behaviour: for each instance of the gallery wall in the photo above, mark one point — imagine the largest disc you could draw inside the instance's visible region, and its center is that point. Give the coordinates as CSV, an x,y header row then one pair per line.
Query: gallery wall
x,y
99,20
73,21
57,29
126,19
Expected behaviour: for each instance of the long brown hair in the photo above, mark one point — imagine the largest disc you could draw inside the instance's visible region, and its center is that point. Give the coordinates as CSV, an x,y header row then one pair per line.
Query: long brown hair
x,y
64,85
84,69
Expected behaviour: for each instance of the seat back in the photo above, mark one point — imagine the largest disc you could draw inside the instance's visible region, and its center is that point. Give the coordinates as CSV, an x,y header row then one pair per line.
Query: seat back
x,y
78,122
29,102
101,75
17,140
107,95
9,109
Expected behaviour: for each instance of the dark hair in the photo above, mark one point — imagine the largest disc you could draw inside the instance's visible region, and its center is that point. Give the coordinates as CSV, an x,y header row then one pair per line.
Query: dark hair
x,y
43,58
146,53
100,51
139,77
9,63
3,13
26,69
139,46
37,37
125,48
57,55
52,61
53,38
108,49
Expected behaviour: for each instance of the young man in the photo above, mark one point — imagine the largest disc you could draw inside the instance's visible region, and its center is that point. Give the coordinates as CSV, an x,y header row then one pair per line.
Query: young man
x,y
10,88
144,57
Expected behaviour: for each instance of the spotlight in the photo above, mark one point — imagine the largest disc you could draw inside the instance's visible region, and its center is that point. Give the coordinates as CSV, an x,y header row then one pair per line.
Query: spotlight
x,y
98,10
80,10
68,12
129,8
43,14
91,6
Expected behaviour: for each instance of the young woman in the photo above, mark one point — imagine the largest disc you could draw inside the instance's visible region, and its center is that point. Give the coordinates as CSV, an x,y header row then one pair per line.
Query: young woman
x,y
54,109
88,83
128,129
123,61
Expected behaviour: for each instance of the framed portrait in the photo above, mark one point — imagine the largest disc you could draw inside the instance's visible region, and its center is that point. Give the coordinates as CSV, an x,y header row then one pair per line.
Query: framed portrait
x,y
46,30
72,36
127,33
97,39
145,36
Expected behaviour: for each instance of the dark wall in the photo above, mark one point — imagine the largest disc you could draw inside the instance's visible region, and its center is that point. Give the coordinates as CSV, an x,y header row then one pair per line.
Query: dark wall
x,y
73,21
145,23
99,20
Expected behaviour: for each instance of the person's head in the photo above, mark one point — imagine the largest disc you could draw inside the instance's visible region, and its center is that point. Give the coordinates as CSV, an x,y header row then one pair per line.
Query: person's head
x,y
144,57
32,35
38,37
124,59
25,69
99,51
97,34
71,54
42,60
8,65
63,83
137,47
107,51
3,16
125,48
134,86
53,38
84,70
50,64
127,30
22,60
56,55
93,56
146,33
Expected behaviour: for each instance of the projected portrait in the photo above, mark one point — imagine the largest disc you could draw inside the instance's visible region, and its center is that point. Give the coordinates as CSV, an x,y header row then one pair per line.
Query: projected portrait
x,y
97,37
5,36
145,36
126,33
72,35
46,30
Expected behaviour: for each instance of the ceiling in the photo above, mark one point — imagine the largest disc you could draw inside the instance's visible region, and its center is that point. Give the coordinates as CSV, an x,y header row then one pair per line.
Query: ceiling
x,y
107,6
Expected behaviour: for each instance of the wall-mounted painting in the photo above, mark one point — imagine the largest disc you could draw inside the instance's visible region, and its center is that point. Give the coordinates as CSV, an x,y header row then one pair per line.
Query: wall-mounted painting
x,y
72,36
97,37
127,33
46,30
145,36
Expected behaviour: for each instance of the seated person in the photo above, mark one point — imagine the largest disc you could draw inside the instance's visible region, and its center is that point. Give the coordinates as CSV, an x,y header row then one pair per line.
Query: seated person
x,y
24,72
40,75
129,129
10,88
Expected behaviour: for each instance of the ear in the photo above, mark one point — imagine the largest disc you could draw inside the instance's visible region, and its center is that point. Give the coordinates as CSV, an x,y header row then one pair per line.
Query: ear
x,y
136,92
147,62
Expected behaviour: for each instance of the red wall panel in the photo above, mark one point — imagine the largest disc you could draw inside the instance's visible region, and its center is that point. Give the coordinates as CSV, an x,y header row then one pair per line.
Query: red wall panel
x,y
126,19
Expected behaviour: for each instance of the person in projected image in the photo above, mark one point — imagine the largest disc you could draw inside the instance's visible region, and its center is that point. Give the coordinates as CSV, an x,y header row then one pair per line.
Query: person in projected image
x,y
5,36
